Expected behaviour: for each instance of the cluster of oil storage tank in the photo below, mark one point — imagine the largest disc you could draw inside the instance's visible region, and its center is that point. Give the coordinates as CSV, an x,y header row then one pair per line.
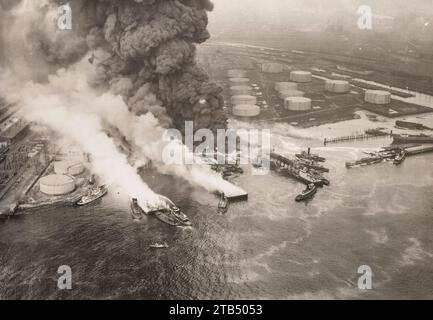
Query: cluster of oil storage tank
x,y
244,103
293,98
62,181
242,99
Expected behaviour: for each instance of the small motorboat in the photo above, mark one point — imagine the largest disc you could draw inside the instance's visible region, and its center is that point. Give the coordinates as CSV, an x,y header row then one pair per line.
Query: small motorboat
x,y
136,211
307,193
92,195
157,245
223,204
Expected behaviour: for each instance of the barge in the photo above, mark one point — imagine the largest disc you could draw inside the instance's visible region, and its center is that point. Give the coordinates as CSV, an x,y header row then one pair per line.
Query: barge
x,y
406,138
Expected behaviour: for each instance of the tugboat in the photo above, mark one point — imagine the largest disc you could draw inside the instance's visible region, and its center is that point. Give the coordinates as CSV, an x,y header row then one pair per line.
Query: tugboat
x,y
93,195
400,157
172,215
307,193
159,245
310,156
166,216
223,204
182,217
136,211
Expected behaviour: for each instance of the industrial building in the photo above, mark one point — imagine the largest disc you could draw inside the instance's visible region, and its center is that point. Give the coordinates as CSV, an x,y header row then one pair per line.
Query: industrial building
x,y
68,167
56,185
301,76
337,86
378,96
297,104
246,110
241,90
244,99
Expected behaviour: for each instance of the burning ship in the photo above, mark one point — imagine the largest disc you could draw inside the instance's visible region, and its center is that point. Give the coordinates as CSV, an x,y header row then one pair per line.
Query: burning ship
x,y
166,211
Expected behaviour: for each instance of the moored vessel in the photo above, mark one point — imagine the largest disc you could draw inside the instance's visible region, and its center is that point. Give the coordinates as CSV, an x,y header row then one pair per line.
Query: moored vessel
x,y
312,165
93,195
406,138
310,156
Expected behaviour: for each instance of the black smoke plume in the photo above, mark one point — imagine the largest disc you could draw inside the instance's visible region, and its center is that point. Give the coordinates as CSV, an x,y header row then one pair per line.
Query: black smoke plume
x,y
151,55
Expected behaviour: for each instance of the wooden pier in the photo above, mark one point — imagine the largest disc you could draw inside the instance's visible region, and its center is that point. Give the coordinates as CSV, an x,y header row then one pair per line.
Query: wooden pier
x,y
362,136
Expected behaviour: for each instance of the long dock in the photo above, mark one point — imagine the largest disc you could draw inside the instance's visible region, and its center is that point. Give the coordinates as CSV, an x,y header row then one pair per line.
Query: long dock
x,y
419,150
411,150
369,134
235,195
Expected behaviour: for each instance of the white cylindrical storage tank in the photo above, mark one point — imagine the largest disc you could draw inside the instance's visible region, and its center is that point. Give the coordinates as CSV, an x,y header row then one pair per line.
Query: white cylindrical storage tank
x,y
56,185
291,93
246,110
239,81
300,76
378,96
285,86
241,90
68,167
337,86
297,104
272,67
244,99
237,73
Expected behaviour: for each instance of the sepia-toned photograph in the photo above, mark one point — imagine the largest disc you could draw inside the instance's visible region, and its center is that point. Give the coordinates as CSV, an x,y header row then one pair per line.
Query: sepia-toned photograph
x,y
197,150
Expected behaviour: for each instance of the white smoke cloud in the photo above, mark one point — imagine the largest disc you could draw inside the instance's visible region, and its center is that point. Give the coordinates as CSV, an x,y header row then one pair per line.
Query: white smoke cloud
x,y
68,104
49,105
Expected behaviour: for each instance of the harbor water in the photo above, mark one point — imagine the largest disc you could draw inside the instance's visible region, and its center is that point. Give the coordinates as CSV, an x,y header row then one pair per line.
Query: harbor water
x,y
268,247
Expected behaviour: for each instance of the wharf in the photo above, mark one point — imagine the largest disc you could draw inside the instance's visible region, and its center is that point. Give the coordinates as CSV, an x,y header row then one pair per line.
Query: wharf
x,y
235,194
368,134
